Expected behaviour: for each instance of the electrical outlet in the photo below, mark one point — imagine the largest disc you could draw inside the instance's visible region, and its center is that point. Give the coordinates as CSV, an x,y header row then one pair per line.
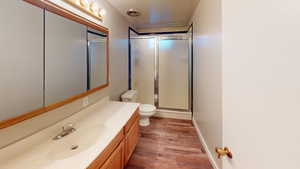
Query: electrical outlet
x,y
85,101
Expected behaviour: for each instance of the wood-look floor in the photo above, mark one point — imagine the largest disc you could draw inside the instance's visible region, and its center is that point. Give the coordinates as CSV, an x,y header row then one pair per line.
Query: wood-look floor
x,y
169,144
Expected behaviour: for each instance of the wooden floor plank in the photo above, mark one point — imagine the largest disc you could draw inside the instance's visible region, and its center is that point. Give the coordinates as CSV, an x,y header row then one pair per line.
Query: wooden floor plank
x,y
169,144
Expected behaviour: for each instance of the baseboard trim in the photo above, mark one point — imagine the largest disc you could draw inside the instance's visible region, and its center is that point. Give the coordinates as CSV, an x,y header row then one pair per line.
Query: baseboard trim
x,y
209,153
173,114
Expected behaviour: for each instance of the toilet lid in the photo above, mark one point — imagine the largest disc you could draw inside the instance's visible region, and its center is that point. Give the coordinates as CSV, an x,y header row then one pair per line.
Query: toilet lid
x,y
147,108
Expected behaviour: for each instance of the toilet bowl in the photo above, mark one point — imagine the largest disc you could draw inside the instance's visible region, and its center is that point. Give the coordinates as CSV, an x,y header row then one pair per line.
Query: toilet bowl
x,y
146,110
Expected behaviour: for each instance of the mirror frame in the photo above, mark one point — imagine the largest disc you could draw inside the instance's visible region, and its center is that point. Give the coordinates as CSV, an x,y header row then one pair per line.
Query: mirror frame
x,y
56,9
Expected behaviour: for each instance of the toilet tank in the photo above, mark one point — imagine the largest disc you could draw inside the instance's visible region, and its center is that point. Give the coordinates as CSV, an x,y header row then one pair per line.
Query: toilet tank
x,y
129,96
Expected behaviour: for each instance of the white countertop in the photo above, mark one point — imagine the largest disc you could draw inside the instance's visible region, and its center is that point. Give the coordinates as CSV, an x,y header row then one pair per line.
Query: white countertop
x,y
96,126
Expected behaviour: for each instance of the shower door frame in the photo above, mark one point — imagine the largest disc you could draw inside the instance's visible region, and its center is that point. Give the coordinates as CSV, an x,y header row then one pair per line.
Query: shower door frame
x,y
156,83
156,66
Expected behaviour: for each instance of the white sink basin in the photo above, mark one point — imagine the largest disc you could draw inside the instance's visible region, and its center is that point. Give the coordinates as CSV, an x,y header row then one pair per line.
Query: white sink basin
x,y
74,143
96,126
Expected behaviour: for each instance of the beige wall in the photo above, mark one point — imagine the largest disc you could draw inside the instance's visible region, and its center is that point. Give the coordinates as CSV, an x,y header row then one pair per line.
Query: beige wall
x,y
118,27
208,72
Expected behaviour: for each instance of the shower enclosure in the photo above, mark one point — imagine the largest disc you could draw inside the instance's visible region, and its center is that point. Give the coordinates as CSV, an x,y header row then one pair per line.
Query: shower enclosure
x,y
160,70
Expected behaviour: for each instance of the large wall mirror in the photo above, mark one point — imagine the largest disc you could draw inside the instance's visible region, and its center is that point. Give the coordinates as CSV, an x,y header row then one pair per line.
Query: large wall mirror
x,y
57,57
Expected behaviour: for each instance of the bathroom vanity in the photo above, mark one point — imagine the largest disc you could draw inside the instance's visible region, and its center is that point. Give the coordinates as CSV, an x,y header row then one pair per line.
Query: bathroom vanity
x,y
105,137
120,149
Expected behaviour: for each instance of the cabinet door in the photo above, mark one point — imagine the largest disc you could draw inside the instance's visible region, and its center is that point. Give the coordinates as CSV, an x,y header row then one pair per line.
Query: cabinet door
x,y
131,140
116,160
106,165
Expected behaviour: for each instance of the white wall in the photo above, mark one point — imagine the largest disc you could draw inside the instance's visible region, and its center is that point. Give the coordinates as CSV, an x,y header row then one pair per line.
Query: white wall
x,y
208,72
118,27
261,65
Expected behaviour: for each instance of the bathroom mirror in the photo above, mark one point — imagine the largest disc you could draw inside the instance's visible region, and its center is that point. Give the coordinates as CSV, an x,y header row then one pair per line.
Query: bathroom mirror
x,y
76,58
62,59
97,58
21,59
65,58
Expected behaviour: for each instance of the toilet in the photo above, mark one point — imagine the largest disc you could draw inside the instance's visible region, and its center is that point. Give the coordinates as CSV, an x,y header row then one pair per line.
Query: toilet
x,y
146,110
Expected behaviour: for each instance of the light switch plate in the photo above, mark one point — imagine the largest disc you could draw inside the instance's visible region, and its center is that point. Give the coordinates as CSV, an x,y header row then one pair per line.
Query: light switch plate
x,y
85,101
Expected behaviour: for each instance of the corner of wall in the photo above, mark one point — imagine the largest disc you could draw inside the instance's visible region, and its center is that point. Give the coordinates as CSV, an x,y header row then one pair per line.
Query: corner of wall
x,y
208,105
203,141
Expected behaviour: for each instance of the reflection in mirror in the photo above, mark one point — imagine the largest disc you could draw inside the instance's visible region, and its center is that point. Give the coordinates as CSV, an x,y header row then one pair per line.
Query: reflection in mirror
x,y
54,59
21,58
97,59
65,58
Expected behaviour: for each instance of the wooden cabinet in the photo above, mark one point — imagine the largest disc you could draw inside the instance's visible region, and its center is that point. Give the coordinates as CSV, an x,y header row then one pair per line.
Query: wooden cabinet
x,y
107,152
119,151
131,140
116,160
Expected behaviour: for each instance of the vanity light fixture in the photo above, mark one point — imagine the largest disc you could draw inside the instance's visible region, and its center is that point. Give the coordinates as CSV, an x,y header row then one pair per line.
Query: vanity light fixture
x,y
90,8
102,12
94,8
77,2
85,4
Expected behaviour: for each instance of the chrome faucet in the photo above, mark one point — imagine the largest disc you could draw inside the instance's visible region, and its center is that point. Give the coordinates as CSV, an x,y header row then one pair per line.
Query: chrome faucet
x,y
66,130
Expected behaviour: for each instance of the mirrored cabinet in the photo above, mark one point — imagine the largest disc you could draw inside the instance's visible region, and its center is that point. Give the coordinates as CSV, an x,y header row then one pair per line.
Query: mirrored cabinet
x,y
49,57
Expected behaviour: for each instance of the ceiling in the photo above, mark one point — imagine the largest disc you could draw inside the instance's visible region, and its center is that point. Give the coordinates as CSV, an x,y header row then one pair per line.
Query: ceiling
x,y
157,13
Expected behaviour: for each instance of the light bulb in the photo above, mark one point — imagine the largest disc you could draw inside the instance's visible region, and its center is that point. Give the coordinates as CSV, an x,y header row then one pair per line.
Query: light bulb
x,y
94,7
102,12
78,2
85,3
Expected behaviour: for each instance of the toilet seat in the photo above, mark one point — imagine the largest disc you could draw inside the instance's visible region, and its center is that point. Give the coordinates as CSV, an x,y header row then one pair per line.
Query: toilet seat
x,y
147,108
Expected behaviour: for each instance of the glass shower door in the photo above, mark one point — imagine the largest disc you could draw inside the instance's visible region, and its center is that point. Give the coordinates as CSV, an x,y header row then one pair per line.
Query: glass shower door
x,y
143,55
173,73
